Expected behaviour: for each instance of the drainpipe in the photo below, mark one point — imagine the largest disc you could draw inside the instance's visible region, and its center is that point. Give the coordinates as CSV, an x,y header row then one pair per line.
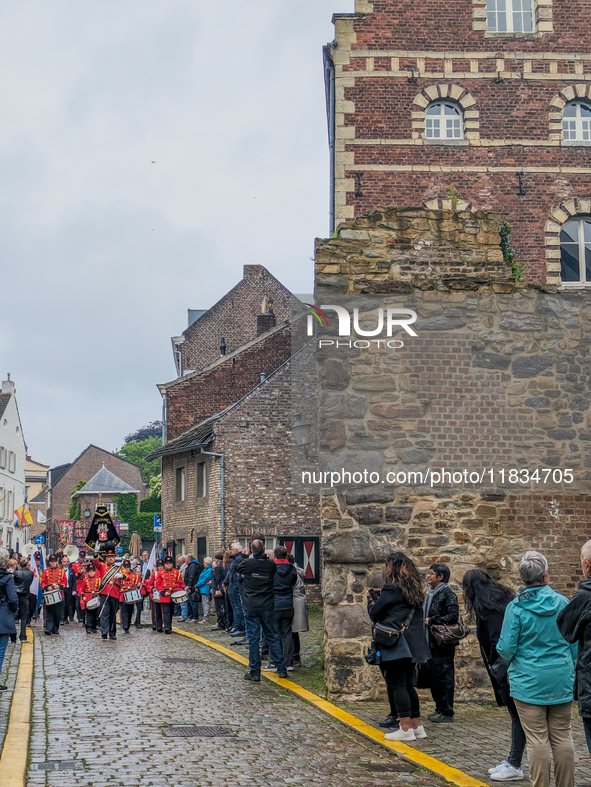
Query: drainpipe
x,y
329,81
163,417
223,518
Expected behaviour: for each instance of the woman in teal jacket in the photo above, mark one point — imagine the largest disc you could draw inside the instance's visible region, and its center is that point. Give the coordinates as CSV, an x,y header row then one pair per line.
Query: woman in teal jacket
x,y
541,671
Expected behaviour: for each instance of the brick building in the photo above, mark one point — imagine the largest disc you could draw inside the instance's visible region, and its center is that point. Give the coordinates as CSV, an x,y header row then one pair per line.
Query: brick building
x,y
432,103
64,478
239,406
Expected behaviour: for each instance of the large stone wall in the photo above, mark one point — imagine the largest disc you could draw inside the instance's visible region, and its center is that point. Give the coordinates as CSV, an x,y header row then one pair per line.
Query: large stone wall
x,y
497,379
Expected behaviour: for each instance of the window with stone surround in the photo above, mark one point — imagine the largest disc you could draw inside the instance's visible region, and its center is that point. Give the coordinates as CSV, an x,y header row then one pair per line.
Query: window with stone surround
x,y
576,121
443,120
575,250
201,479
180,484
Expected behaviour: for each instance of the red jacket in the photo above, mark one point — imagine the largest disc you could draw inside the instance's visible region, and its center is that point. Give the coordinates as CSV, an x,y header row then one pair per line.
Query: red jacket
x,y
78,569
90,588
112,587
54,576
167,582
129,581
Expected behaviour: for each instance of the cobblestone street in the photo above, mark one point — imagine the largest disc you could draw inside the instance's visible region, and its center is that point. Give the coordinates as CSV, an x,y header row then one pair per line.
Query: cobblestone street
x,y
104,710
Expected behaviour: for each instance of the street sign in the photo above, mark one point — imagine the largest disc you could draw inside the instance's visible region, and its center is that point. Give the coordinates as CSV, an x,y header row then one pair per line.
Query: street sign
x,y
157,524
39,539
119,549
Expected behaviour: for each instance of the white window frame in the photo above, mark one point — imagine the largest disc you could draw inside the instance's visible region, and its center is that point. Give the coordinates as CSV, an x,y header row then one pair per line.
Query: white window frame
x,y
111,508
203,466
180,492
11,462
440,119
270,541
579,123
512,8
2,458
581,244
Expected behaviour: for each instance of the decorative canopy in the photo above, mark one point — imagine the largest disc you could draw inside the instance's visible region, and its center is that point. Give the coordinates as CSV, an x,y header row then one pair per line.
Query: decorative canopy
x,y
106,483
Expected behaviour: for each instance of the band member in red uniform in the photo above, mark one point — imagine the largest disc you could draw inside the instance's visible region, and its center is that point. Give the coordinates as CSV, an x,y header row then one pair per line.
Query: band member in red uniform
x,y
150,585
167,582
79,573
110,588
53,578
129,582
90,588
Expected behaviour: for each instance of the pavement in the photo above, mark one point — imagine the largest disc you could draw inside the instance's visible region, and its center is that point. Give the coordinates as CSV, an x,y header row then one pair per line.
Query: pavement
x,y
8,678
113,713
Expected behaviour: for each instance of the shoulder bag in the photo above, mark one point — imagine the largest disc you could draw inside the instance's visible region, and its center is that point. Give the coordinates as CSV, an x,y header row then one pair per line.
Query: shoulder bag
x,y
388,636
449,633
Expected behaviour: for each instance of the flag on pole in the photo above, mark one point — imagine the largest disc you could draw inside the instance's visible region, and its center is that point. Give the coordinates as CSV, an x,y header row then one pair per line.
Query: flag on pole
x,y
23,516
41,518
151,564
41,570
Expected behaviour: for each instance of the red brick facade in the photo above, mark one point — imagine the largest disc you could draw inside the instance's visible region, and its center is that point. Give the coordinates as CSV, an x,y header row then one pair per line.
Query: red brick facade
x,y
393,58
234,318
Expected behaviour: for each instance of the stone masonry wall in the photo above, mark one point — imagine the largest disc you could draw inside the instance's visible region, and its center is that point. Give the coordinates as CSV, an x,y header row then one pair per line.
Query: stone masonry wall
x,y
498,379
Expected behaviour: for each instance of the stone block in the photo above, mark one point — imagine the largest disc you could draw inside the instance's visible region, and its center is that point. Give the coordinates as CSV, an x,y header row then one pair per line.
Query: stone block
x,y
398,411
347,622
488,360
401,514
531,365
516,321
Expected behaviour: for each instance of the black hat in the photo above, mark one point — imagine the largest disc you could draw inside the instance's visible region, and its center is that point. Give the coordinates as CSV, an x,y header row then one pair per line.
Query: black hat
x,y
90,567
52,557
127,563
168,559
110,548
160,562
37,554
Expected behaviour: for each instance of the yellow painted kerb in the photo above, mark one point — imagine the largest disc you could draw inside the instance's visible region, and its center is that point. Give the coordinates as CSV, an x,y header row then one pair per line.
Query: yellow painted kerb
x,y
13,761
452,775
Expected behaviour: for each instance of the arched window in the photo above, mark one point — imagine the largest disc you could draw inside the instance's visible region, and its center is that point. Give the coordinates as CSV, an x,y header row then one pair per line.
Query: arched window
x,y
443,120
575,250
509,16
576,121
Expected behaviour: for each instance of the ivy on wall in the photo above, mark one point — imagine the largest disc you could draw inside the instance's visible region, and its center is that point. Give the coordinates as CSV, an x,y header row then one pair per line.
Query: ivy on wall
x,y
141,522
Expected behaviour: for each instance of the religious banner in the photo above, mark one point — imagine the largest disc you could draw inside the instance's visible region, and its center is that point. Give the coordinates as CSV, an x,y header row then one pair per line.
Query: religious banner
x,y
102,529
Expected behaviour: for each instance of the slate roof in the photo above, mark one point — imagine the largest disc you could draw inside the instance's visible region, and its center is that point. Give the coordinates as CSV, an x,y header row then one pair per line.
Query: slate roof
x,y
196,437
4,399
105,482
41,497
55,473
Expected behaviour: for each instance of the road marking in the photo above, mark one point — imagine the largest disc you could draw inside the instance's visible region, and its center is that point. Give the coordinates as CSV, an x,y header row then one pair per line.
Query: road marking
x,y
13,762
452,775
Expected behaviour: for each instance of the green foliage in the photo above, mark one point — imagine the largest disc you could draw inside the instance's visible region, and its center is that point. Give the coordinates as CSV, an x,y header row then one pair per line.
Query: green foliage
x,y
454,194
509,253
151,504
156,486
137,453
74,511
138,521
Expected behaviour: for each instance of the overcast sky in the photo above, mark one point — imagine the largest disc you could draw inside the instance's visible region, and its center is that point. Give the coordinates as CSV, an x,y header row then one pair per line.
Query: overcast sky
x,y
148,150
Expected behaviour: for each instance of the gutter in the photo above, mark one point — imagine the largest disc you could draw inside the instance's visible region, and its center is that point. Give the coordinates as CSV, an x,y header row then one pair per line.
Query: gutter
x,y
223,501
329,82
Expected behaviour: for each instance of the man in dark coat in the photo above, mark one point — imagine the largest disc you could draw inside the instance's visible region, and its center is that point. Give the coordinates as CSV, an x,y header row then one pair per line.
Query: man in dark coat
x,y
258,601
8,606
441,606
574,622
192,573
286,577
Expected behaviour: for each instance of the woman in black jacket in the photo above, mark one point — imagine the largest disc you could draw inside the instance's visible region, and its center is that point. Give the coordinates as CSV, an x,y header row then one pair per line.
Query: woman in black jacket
x,y
23,577
486,601
393,605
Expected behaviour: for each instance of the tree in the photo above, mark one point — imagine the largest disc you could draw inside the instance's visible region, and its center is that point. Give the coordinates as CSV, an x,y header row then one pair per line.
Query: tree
x,y
136,452
153,429
74,512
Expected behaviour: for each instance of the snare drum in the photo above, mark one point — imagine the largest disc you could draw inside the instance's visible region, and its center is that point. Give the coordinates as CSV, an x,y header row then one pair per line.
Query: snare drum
x,y
179,596
93,603
156,596
131,596
52,597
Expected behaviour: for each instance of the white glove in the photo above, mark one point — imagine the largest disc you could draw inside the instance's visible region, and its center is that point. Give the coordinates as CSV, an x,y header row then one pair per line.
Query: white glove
x,y
118,576
73,592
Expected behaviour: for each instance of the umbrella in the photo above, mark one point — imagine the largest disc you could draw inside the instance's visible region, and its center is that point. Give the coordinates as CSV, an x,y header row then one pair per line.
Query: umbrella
x,y
135,545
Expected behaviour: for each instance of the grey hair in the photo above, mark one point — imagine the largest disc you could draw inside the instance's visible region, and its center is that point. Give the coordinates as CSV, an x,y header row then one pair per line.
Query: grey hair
x,y
207,561
532,567
236,545
4,557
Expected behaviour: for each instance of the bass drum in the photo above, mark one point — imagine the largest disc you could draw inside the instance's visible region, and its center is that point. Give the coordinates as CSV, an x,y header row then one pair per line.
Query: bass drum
x,y
51,597
179,596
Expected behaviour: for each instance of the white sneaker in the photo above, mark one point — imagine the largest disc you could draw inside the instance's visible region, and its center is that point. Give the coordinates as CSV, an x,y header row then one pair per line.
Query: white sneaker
x,y
507,774
401,735
269,668
420,732
289,669
498,767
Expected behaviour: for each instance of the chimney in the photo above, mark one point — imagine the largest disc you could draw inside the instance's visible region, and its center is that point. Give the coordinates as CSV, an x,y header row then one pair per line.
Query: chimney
x,y
265,322
8,386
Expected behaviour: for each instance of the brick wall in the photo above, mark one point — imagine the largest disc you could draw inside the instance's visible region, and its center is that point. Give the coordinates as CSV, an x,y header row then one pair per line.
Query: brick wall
x,y
498,377
234,318
194,398
393,59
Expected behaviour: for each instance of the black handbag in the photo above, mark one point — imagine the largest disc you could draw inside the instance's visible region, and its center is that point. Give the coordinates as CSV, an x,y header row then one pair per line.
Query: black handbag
x,y
389,636
373,655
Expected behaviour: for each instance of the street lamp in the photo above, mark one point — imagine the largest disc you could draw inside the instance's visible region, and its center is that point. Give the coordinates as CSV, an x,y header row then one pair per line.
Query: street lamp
x,y
301,433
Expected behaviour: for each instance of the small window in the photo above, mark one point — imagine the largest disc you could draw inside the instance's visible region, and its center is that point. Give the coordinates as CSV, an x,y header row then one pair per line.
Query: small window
x,y
111,508
575,251
576,121
201,481
443,121
270,541
509,16
2,458
12,462
181,484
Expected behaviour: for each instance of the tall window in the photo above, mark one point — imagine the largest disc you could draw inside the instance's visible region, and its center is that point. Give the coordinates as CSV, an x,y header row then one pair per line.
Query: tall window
x,y
509,16
576,121
201,484
181,484
443,121
575,250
